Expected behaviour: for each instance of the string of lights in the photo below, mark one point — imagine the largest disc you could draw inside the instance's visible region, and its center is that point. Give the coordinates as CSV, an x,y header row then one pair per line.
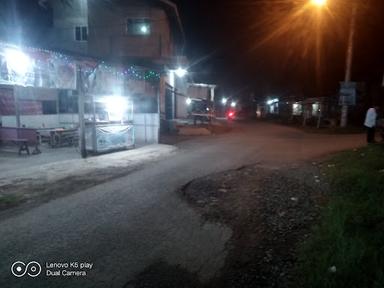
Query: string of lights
x,y
122,25
88,65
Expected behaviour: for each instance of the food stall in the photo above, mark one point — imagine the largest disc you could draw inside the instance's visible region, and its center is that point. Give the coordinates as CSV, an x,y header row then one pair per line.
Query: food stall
x,y
109,126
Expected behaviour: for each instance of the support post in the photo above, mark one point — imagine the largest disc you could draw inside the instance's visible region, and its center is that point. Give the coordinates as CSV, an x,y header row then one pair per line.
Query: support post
x,y
320,115
81,96
348,68
158,112
94,135
16,92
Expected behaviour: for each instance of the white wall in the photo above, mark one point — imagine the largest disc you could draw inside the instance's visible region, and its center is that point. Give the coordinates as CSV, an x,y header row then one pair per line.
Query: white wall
x,y
31,121
146,128
68,120
146,125
39,121
181,107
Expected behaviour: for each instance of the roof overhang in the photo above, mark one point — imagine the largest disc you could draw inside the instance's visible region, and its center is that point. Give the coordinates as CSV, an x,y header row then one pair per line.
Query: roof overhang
x,y
203,85
175,20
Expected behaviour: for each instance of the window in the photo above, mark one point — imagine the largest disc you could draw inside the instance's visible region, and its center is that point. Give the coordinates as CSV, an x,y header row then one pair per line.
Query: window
x,y
49,107
297,109
81,33
138,27
68,103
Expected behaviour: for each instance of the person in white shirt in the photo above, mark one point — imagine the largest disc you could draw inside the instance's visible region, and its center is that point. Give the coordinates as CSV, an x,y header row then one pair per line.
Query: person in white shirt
x,y
370,123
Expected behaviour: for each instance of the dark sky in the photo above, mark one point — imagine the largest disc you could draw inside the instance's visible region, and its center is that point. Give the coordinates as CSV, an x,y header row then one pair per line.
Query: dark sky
x,y
271,46
264,46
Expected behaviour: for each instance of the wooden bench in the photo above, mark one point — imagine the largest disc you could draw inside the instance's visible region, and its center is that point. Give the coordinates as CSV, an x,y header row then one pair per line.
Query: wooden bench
x,y
22,137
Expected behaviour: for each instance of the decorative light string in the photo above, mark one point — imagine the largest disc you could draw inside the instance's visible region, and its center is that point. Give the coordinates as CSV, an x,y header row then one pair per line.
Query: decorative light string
x,y
88,65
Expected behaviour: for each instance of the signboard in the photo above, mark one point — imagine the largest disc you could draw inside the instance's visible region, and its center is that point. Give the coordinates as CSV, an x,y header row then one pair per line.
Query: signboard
x,y
110,137
347,94
30,67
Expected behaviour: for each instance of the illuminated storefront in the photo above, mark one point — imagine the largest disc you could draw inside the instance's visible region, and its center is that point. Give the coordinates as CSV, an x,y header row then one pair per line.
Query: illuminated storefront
x,y
42,89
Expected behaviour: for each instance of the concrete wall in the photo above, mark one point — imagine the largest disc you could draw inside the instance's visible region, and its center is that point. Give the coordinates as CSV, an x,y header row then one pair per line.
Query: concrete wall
x,y
181,85
65,19
40,121
107,29
181,107
146,128
146,125
108,32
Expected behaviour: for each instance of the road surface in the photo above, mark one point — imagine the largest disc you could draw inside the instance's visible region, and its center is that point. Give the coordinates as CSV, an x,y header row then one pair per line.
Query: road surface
x,y
121,227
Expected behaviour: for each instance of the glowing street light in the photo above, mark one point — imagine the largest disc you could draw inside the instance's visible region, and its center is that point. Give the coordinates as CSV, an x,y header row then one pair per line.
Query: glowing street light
x,y
350,48
319,2
189,101
224,101
116,107
233,104
17,61
181,72
144,29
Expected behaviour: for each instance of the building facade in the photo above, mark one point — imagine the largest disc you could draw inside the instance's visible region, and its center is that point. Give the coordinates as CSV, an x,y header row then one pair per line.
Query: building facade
x,y
138,32
148,33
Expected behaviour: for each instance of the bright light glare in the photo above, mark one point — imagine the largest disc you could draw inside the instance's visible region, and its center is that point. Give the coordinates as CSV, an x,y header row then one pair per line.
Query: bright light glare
x,y
272,101
319,2
233,104
180,72
144,29
224,101
17,61
189,101
116,107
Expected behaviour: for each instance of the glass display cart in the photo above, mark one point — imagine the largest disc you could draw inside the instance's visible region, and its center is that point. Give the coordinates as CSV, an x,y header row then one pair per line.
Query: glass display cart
x,y
109,124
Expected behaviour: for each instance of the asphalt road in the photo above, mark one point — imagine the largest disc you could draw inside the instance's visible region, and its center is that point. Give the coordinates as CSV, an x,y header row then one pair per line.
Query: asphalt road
x,y
124,225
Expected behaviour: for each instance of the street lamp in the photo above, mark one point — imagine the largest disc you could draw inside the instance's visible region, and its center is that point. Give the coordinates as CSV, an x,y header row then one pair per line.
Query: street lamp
x,y
18,61
224,101
181,72
349,56
319,2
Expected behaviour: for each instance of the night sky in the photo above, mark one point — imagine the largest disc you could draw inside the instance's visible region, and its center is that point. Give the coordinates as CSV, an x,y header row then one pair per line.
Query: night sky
x,y
267,47
259,45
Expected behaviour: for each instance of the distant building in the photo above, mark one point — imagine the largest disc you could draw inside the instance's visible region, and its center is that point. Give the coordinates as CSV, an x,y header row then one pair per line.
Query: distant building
x,y
193,92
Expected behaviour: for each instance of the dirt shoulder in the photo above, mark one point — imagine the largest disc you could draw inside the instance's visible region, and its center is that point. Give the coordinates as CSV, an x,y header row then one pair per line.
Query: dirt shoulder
x,y
32,185
270,213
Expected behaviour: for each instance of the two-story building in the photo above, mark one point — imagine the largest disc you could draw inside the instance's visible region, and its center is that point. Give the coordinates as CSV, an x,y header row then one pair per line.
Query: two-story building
x,y
140,31
130,46
148,33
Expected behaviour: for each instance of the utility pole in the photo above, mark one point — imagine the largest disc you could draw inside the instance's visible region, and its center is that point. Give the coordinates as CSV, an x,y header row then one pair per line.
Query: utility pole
x,y
348,68
81,96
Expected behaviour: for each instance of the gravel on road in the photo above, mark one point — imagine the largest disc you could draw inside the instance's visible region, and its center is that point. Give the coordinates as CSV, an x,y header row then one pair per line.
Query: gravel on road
x,y
270,211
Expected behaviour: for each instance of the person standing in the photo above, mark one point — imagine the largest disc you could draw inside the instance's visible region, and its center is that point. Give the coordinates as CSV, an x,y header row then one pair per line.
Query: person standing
x,y
370,123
